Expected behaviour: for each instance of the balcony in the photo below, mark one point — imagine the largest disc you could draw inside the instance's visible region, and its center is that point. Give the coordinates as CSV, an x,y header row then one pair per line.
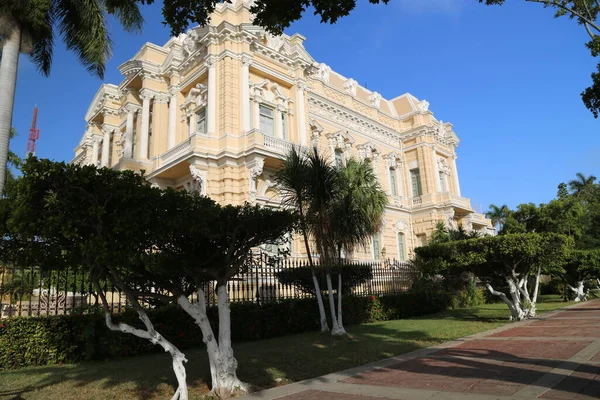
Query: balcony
x,y
461,204
280,146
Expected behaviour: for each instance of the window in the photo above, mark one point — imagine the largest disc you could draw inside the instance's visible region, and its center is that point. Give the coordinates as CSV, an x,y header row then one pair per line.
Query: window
x,y
284,124
376,250
442,184
401,256
266,120
415,179
393,181
201,121
339,158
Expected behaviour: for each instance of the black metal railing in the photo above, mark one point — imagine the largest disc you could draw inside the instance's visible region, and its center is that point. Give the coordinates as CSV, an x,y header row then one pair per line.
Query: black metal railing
x,y
32,292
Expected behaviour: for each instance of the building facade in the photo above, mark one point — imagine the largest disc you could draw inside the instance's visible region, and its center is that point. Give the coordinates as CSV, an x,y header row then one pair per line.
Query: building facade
x,y
215,110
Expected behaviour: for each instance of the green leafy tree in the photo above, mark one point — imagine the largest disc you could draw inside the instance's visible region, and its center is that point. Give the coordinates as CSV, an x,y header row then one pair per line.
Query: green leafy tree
x,y
102,220
30,26
514,260
581,266
205,242
273,15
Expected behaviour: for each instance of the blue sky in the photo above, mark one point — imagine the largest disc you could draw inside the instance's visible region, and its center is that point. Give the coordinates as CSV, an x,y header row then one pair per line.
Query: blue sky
x,y
507,77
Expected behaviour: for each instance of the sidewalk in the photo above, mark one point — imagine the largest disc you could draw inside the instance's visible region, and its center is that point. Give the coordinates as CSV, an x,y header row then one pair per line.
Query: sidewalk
x,y
554,357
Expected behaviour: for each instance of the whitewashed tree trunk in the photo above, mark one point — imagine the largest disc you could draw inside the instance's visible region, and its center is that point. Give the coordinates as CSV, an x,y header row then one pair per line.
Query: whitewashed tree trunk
x,y
336,329
11,47
229,382
220,355
322,315
515,313
340,322
580,294
156,338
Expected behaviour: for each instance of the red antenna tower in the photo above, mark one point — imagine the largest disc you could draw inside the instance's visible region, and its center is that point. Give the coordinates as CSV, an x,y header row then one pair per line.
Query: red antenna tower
x,y
34,133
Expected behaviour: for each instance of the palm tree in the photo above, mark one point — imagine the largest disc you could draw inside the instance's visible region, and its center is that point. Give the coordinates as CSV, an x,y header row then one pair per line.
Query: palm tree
x,y
582,183
356,215
29,26
498,215
14,161
293,184
440,233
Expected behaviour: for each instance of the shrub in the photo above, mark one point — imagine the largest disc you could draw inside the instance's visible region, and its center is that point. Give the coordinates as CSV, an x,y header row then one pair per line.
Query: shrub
x,y
72,338
301,277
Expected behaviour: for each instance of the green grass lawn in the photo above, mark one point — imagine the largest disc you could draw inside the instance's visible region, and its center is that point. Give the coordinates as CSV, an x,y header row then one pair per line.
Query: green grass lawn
x,y
265,363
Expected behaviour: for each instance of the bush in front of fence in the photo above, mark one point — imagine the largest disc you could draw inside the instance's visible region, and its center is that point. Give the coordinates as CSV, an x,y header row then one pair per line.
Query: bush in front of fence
x,y
71,338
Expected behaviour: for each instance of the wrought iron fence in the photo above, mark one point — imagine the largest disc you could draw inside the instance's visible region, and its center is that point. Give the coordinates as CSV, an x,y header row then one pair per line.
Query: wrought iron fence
x,y
31,292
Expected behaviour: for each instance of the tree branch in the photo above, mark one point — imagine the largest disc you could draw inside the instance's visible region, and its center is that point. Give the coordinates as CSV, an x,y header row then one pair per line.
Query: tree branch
x,y
569,10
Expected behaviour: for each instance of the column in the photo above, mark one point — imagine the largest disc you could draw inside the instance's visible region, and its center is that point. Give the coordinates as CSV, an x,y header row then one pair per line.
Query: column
x,y
129,126
160,124
174,92
211,107
192,123
300,88
436,171
105,146
245,82
455,176
278,124
143,145
94,150
256,111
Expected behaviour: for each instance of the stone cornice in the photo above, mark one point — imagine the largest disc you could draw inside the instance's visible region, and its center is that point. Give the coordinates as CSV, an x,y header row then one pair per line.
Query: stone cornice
x,y
323,107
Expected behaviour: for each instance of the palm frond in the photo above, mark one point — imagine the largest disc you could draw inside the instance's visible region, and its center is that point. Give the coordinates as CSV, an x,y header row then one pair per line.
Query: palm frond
x,y
82,24
127,12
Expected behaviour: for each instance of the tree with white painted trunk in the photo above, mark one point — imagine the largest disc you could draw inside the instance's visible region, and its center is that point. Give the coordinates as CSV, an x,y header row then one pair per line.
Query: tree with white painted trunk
x,y
580,267
210,244
340,207
513,261
293,183
102,220
29,27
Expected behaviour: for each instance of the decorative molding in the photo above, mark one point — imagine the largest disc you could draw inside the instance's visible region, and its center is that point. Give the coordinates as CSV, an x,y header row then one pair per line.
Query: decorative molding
x,y
315,132
393,160
131,108
196,98
400,226
375,99
367,151
320,71
450,221
349,119
174,90
350,86
443,165
162,98
246,59
146,93
423,105
199,181
255,169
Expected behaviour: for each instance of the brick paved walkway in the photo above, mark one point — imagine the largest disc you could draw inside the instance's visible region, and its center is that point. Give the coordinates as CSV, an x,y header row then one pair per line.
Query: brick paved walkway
x,y
555,357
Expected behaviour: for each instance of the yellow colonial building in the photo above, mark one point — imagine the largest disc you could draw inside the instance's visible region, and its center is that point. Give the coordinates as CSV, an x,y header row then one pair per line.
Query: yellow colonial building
x,y
215,110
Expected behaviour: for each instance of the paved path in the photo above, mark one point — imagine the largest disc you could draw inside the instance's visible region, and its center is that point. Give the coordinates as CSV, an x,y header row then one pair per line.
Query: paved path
x,y
554,357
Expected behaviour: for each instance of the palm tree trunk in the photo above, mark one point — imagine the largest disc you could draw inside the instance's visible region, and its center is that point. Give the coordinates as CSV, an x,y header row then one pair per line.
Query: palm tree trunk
x,y
9,64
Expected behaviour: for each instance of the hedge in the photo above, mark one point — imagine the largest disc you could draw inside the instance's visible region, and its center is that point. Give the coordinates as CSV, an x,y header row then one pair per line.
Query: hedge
x,y
71,338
